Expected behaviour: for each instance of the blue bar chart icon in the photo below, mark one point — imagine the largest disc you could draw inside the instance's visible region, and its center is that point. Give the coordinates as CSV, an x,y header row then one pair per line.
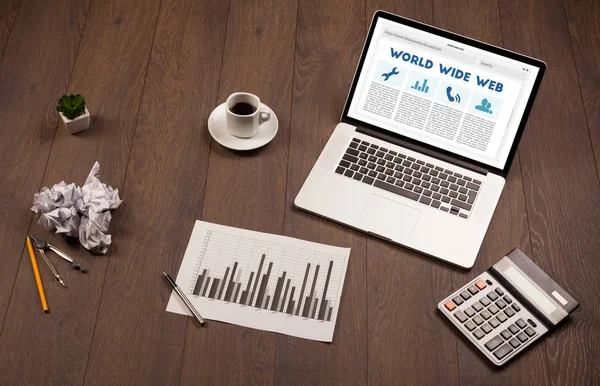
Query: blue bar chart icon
x,y
423,88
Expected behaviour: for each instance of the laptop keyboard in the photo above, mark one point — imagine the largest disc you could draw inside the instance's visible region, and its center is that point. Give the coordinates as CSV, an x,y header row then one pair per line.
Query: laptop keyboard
x,y
409,177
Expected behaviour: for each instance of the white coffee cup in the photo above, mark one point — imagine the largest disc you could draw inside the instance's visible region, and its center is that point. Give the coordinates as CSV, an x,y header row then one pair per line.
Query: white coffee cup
x,y
245,114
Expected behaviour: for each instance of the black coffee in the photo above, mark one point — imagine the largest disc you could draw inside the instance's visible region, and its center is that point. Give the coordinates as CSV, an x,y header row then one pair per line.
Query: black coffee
x,y
243,108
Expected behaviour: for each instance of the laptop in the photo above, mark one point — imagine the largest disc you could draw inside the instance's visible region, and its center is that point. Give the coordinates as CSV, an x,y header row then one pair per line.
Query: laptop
x,y
427,136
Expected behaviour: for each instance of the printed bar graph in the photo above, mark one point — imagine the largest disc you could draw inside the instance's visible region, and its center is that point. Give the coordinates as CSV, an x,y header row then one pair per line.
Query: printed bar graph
x,y
313,307
424,88
263,281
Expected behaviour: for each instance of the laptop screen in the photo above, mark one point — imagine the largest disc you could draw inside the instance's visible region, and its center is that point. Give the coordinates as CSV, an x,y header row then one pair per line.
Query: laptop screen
x,y
444,90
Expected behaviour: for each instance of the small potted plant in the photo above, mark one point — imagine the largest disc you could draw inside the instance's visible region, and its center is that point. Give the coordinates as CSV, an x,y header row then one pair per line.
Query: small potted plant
x,y
73,112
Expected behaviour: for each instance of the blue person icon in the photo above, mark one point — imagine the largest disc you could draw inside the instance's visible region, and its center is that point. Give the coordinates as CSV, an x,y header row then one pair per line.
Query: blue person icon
x,y
485,106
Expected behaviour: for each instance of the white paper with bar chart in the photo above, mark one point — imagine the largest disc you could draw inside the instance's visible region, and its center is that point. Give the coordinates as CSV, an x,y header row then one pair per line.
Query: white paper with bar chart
x,y
263,281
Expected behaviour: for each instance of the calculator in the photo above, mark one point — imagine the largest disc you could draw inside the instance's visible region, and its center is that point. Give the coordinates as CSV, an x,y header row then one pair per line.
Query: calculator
x,y
508,307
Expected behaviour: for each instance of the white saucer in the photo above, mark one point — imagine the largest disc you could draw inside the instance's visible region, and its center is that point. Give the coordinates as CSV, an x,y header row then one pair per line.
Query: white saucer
x,y
217,126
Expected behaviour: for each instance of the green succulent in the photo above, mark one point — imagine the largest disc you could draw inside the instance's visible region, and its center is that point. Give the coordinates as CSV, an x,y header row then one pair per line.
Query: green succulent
x,y
71,106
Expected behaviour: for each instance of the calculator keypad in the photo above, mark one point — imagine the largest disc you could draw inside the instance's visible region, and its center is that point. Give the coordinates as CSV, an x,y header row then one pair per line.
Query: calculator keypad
x,y
491,317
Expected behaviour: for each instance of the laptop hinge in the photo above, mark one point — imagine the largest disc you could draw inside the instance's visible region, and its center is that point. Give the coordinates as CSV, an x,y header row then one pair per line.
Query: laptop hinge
x,y
396,140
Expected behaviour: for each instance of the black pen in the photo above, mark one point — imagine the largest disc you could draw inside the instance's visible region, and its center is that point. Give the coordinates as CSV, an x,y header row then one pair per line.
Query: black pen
x,y
184,298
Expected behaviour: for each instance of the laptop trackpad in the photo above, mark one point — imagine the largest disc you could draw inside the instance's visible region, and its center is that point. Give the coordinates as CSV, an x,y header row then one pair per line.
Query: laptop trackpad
x,y
388,218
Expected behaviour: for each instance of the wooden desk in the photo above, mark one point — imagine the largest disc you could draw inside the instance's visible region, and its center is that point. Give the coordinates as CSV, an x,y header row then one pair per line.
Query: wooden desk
x,y
152,70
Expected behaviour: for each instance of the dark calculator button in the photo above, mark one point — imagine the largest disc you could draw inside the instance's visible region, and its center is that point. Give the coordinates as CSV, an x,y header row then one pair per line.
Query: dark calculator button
x,y
500,303
492,296
411,159
363,155
383,149
374,146
368,180
389,157
465,295
478,334
339,170
460,316
453,194
461,182
506,334
420,162
470,325
499,291
348,173
477,307
389,172
514,329
408,185
353,152
365,143
379,154
364,170
380,161
435,204
424,169
380,169
485,314
356,140
458,300
509,312
493,343
494,322
415,166
489,282
507,299
390,180
418,189
522,337
345,164
362,162
503,351
406,163
484,301
394,153
477,320
531,322
469,312
390,164
362,148
501,317
521,323
486,328
493,309
516,307
472,289
530,331
514,342
354,167
452,179
371,150
372,158
357,176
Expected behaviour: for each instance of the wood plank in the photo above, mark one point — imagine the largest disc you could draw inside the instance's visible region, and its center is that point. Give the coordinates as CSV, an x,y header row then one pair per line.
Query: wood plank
x,y
509,227
32,76
404,327
109,70
247,190
8,14
328,44
563,216
164,191
584,29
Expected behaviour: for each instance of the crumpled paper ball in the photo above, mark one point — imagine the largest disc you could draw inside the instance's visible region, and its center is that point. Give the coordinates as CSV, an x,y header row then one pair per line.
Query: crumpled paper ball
x,y
79,212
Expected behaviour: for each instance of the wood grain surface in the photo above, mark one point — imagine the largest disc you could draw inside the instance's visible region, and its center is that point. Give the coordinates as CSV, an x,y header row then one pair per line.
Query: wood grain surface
x,y
152,71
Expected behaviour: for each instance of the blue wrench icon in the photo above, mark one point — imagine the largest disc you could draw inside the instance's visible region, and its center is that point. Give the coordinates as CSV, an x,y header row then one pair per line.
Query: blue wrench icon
x,y
388,74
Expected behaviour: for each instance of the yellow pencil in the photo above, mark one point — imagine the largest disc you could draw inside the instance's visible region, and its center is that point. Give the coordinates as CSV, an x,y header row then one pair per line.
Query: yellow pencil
x,y
36,273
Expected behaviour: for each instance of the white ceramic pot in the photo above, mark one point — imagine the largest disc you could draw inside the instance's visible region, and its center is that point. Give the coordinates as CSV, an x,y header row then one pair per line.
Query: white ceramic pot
x,y
81,123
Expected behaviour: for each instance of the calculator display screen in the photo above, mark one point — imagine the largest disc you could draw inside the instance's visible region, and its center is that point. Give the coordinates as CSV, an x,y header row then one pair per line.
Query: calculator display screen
x,y
529,290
